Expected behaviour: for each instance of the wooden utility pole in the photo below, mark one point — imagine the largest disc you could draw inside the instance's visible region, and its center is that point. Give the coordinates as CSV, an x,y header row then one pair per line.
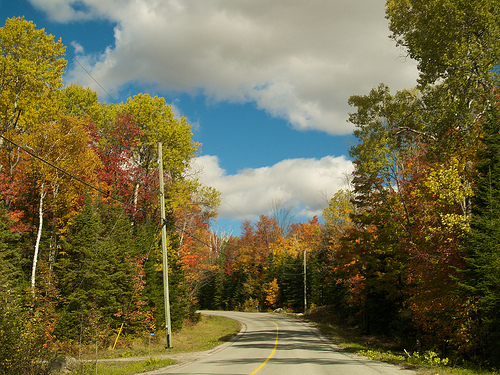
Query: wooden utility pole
x,y
305,282
164,248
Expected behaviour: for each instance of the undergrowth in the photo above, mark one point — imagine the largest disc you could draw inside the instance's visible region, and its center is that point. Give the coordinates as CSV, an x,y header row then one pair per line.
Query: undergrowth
x,y
382,349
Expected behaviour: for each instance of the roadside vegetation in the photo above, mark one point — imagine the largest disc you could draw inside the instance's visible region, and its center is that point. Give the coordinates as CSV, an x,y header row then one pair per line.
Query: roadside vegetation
x,y
390,349
134,354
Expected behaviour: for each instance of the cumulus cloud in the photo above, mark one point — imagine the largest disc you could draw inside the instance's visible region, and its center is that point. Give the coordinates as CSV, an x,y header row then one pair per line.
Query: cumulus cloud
x,y
297,60
79,50
304,184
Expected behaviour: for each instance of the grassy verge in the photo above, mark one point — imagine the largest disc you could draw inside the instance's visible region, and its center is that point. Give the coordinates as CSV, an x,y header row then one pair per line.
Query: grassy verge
x,y
129,368
208,333
427,363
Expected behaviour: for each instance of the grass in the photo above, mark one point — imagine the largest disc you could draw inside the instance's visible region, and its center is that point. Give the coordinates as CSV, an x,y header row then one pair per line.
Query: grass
x,y
210,332
129,368
206,334
376,348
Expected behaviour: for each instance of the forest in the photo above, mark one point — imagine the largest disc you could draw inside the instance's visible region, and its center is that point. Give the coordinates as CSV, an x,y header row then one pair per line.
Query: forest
x,y
410,251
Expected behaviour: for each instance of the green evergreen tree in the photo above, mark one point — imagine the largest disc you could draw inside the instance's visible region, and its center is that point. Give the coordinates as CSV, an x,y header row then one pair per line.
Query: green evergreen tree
x,y
96,274
290,278
10,257
181,308
21,342
79,275
482,248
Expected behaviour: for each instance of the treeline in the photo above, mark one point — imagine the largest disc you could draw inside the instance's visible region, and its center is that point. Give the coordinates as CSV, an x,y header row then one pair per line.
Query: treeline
x,y
80,252
412,250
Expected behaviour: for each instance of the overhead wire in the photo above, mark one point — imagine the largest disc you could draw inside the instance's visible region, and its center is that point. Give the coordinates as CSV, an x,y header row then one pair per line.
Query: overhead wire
x,y
69,53
40,21
77,61
105,193
68,174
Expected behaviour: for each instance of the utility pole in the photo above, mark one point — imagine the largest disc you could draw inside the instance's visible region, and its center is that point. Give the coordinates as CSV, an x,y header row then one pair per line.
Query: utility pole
x,y
305,281
164,248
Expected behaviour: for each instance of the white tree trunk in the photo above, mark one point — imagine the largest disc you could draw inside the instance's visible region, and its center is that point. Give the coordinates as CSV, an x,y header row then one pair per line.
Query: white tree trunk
x,y
38,237
136,195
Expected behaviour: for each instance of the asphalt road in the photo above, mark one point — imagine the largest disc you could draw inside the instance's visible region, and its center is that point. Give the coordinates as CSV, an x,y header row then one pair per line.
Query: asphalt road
x,y
275,344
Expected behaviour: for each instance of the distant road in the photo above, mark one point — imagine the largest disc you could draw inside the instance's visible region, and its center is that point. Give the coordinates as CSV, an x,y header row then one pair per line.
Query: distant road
x,y
278,345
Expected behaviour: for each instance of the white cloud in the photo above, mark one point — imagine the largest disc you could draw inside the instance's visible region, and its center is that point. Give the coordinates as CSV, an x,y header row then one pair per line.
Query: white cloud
x,y
79,50
298,60
304,184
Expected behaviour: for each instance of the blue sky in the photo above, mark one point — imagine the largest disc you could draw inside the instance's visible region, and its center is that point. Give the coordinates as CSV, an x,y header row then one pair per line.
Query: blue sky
x,y
264,84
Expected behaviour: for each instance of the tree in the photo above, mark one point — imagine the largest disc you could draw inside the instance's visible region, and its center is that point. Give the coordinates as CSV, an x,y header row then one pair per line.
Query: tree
x,y
81,102
482,248
272,294
117,172
31,68
78,269
283,216
99,276
22,338
157,122
338,215
59,142
452,41
10,260
455,45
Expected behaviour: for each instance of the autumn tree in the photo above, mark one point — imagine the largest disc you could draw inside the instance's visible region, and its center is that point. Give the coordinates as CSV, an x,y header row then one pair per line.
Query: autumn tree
x,y
339,212
57,144
82,103
31,68
32,65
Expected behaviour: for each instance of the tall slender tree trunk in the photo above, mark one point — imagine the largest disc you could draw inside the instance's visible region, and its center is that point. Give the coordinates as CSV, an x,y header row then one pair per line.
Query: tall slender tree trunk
x,y
38,237
53,240
136,200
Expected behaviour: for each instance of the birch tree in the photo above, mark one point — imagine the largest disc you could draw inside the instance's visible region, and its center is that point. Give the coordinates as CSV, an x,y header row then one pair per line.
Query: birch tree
x,y
62,143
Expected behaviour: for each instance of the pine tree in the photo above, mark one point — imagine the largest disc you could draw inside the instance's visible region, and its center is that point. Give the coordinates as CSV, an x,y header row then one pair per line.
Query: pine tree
x,y
22,349
78,275
482,249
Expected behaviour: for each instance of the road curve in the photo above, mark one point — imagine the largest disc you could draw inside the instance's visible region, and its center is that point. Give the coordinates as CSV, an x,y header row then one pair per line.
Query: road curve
x,y
274,344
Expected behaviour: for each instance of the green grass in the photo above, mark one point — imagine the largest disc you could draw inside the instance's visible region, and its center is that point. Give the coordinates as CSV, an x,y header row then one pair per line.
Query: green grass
x,y
129,368
206,334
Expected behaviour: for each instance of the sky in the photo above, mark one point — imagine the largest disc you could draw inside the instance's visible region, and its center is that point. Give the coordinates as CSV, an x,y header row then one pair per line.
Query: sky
x,y
264,84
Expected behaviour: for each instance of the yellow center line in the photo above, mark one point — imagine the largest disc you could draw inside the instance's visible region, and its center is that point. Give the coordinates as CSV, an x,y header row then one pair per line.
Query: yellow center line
x,y
272,353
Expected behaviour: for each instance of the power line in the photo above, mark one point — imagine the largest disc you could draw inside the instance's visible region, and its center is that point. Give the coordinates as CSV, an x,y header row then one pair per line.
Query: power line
x,y
77,178
105,91
235,210
70,54
107,194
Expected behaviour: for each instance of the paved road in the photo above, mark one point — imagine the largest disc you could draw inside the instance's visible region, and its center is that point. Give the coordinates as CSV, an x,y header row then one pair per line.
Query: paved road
x,y
274,344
